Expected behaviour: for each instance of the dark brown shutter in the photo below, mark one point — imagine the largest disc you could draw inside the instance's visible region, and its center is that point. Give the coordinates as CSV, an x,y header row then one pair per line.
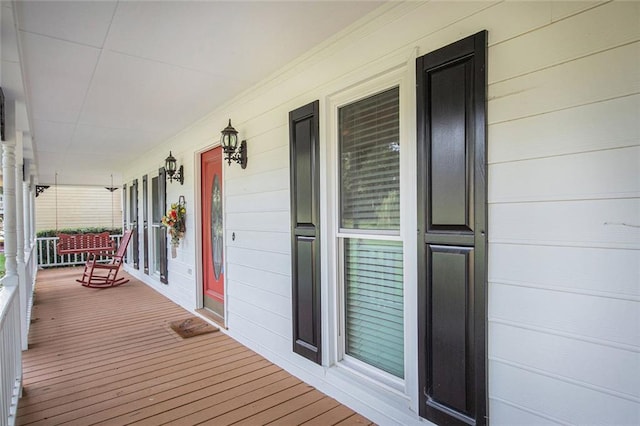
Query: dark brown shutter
x,y
451,84
305,230
134,224
162,196
145,222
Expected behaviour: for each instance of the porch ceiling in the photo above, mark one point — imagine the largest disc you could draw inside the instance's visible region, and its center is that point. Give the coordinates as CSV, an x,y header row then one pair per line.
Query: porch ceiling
x,y
106,81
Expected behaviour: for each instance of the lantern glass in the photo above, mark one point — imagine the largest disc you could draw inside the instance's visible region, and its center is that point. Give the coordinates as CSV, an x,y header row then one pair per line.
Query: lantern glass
x,y
170,164
229,138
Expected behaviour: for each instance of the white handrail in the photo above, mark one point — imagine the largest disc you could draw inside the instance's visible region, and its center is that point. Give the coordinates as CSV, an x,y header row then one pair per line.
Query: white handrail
x,y
48,257
10,354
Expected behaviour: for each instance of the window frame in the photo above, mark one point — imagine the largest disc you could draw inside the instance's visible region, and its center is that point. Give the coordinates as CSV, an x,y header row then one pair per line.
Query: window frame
x,y
333,253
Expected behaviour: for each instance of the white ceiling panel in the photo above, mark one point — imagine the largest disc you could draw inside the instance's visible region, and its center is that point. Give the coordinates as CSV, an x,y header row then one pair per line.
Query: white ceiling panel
x,y
186,34
53,136
71,162
58,74
98,141
8,36
84,22
134,93
210,36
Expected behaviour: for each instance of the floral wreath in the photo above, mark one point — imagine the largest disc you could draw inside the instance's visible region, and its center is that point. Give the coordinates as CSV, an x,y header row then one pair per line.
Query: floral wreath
x,y
175,221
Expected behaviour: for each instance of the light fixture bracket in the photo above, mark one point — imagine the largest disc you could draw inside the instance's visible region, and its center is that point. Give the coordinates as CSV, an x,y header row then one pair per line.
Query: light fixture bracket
x,y
178,176
239,156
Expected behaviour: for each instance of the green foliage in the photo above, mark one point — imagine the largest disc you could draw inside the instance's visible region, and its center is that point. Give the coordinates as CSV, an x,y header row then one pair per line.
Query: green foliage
x,y
54,233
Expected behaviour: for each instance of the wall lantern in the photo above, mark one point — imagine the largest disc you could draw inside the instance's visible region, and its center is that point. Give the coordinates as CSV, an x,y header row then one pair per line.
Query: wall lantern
x,y
229,141
170,165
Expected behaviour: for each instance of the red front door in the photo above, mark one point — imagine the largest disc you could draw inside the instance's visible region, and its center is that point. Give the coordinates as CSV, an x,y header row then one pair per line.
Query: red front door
x,y
212,231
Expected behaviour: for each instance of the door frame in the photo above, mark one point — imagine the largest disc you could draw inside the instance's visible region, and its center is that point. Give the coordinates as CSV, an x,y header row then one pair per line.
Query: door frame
x,y
199,281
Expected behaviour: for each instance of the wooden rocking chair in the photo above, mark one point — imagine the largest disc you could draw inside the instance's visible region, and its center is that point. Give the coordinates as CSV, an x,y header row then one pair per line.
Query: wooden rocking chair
x,y
101,275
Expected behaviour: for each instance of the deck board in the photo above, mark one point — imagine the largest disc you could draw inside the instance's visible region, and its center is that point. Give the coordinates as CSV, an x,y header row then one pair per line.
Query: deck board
x,y
107,356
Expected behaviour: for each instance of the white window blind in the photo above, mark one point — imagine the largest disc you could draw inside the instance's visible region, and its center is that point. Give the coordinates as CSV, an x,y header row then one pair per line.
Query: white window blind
x,y
369,148
370,166
374,303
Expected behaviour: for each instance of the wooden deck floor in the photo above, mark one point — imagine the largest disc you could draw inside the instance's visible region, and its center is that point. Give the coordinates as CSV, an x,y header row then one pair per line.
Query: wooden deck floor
x,y
107,356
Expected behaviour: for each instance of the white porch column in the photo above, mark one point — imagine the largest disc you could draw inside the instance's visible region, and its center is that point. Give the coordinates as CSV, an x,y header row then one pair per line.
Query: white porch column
x,y
26,217
9,184
33,182
19,204
20,264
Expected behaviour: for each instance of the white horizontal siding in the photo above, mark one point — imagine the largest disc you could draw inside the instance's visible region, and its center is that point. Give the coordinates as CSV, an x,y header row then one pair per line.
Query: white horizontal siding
x,y
258,202
589,317
564,246
272,180
565,41
265,297
258,260
276,221
584,176
278,242
603,272
607,75
584,223
259,278
557,397
260,313
60,207
504,413
570,358
569,131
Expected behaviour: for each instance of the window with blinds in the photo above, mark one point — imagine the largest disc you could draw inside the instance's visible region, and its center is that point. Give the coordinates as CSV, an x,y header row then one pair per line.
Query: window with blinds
x,y
369,149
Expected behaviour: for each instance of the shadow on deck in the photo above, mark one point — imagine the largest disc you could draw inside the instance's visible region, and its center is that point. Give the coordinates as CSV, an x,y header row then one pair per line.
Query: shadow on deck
x,y
108,356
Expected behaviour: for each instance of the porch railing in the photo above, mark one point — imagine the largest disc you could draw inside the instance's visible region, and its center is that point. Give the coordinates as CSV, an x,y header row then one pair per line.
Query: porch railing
x,y
48,256
10,354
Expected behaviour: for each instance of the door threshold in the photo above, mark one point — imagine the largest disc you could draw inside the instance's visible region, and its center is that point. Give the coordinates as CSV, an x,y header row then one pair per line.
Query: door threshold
x,y
210,315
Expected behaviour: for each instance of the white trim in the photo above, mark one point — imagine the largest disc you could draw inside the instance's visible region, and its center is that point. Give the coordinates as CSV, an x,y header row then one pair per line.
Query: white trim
x,y
197,223
365,235
379,377
409,225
